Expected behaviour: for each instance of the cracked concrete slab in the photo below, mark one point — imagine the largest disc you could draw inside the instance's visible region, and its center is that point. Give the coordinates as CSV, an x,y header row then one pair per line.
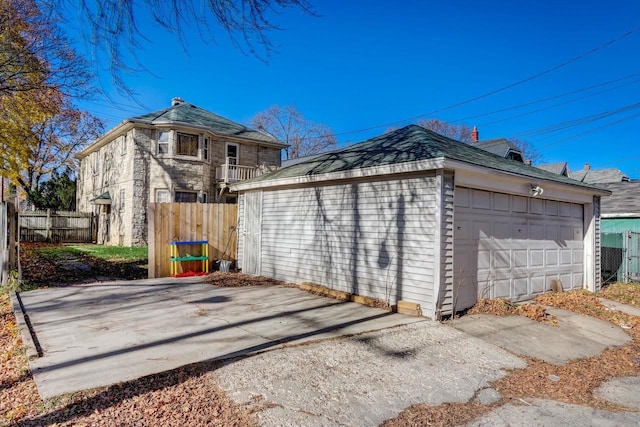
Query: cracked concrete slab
x,y
366,379
100,334
539,412
575,337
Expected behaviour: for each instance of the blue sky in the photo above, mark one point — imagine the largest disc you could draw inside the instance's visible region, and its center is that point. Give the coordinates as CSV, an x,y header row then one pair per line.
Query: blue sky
x,y
364,66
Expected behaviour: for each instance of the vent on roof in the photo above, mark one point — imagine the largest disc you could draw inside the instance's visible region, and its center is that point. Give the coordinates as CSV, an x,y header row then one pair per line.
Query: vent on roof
x,y
176,101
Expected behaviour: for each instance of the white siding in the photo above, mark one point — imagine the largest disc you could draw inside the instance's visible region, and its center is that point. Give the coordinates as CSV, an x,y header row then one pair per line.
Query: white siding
x,y
240,231
369,238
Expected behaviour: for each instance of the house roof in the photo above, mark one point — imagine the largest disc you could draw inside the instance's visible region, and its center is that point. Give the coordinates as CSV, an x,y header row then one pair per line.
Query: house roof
x,y
410,144
498,146
559,168
599,176
186,113
624,199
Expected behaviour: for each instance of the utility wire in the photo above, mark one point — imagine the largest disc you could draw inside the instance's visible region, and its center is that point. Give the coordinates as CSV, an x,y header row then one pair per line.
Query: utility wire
x,y
502,89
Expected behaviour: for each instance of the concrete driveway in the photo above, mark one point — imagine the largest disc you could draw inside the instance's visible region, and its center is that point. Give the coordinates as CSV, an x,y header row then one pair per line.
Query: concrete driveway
x,y
100,334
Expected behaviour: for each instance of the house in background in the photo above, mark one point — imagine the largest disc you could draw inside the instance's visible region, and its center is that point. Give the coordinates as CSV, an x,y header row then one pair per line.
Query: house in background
x,y
501,147
179,154
621,232
412,215
559,168
599,176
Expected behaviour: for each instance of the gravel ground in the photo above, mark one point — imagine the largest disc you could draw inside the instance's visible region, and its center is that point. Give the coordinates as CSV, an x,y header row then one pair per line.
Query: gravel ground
x,y
366,379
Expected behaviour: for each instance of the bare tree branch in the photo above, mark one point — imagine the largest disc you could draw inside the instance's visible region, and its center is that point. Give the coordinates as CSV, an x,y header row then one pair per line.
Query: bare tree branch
x,y
288,125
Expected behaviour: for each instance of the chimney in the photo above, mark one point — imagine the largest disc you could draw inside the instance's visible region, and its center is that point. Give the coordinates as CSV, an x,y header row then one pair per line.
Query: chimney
x,y
475,135
587,166
176,101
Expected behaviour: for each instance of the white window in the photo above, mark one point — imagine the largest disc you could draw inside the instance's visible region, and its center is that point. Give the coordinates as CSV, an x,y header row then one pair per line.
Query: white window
x,y
121,201
232,153
163,142
96,162
162,195
187,145
186,197
205,149
125,141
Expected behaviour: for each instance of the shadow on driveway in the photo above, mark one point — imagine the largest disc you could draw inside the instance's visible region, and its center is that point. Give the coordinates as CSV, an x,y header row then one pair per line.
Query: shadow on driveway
x,y
101,334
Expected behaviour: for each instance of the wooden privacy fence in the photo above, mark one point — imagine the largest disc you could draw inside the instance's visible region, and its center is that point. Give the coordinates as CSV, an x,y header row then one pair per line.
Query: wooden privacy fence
x,y
8,240
190,222
56,226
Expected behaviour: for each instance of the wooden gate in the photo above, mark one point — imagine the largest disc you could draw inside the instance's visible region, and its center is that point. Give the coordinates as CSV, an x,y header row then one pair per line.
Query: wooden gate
x,y
170,222
56,226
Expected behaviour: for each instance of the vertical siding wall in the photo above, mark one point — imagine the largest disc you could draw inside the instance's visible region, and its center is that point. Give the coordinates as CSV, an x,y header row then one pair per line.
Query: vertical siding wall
x,y
170,222
370,238
446,191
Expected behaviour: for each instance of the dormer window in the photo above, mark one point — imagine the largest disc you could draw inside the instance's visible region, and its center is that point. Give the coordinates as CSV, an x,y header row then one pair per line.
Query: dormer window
x,y
187,145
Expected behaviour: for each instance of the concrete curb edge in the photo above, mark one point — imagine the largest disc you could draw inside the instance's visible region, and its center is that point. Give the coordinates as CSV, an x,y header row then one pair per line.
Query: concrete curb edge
x,y
23,323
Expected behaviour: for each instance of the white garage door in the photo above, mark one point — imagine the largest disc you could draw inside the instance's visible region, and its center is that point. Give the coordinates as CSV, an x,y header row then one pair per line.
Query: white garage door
x,y
513,247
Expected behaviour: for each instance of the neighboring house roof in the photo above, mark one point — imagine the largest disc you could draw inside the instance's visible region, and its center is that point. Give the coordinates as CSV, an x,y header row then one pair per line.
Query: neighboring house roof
x,y
190,114
623,201
187,115
501,147
599,176
559,168
409,144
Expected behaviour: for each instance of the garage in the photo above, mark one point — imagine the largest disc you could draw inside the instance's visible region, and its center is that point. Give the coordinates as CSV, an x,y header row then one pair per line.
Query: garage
x,y
416,217
513,247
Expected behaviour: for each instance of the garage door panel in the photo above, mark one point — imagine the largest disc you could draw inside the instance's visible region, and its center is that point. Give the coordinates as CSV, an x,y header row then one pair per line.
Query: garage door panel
x,y
520,258
516,244
551,207
566,256
551,258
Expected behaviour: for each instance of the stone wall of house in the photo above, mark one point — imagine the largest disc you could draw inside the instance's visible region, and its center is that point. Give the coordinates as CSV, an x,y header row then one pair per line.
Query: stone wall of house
x,y
109,169
143,143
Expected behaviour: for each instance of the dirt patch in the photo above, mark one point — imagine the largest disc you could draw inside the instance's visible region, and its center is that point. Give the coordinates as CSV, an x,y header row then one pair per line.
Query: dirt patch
x,y
447,414
235,280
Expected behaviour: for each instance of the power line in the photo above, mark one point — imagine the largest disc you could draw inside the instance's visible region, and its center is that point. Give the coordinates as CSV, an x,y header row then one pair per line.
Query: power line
x,y
607,125
502,89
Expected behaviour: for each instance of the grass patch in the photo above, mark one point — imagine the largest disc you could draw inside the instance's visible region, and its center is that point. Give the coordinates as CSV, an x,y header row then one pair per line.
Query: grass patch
x,y
107,253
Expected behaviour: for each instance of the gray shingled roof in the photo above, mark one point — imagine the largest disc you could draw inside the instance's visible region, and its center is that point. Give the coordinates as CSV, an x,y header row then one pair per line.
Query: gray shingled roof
x,y
599,176
558,168
190,114
624,198
408,144
499,146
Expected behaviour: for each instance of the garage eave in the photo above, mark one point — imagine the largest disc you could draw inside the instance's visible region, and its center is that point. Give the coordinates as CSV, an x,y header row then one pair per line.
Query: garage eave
x,y
390,169
520,184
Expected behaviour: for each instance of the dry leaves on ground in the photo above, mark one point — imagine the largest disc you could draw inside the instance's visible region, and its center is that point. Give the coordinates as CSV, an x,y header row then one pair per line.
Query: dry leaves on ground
x,y
502,307
235,280
187,396
626,293
573,382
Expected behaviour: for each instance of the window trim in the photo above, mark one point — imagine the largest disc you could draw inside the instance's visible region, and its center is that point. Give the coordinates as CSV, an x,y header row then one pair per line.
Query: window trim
x,y
124,143
162,190
96,162
167,143
175,194
206,145
121,202
226,151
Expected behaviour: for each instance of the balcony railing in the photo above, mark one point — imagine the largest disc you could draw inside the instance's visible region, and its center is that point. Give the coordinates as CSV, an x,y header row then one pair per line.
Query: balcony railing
x,y
229,172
